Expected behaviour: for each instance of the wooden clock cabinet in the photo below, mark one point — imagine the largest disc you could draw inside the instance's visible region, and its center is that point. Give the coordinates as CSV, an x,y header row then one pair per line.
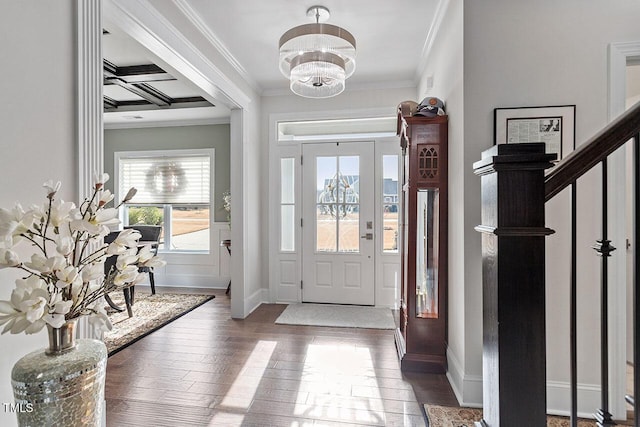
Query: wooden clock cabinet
x,y
421,335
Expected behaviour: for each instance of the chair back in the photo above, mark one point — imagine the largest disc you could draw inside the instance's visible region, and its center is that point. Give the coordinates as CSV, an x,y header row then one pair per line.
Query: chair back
x,y
149,234
110,261
109,238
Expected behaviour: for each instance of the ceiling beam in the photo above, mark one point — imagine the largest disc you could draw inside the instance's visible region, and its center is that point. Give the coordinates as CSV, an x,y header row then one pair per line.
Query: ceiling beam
x,y
109,103
132,78
143,73
109,68
136,73
143,90
174,102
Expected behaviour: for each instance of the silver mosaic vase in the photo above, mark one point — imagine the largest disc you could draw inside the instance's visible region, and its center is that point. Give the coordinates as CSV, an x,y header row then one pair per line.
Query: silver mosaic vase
x,y
62,385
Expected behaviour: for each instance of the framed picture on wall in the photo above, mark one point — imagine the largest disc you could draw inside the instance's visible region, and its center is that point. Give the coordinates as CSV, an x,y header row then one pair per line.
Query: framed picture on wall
x,y
553,125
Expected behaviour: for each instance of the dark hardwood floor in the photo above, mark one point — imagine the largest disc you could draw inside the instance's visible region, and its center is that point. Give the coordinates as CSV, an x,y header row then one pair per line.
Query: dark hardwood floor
x,y
205,369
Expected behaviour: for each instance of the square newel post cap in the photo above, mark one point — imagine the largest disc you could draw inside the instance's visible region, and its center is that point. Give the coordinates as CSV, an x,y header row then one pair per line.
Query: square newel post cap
x,y
525,156
512,187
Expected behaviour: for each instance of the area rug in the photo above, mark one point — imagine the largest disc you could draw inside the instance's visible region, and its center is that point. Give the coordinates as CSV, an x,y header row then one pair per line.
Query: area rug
x,y
150,313
339,316
444,416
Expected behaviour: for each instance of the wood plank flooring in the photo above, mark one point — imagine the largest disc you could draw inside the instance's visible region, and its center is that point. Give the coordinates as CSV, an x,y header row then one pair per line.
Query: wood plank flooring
x,y
206,369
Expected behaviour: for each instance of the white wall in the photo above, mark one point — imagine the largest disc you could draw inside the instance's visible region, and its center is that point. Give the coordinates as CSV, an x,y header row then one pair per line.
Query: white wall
x,y
350,99
37,121
255,163
445,70
533,54
175,138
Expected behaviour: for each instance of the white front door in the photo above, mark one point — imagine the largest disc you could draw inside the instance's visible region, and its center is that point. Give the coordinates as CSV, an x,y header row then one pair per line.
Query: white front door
x,y
338,229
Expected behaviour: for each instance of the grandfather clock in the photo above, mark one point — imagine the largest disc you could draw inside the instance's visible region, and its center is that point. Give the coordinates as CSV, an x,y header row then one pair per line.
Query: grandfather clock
x,y
422,333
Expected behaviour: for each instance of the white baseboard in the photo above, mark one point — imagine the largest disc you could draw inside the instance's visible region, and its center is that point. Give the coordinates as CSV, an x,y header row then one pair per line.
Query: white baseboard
x,y
255,299
467,388
468,391
209,282
178,289
559,398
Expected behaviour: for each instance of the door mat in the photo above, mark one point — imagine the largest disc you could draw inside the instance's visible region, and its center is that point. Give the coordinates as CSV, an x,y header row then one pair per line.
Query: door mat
x,y
338,316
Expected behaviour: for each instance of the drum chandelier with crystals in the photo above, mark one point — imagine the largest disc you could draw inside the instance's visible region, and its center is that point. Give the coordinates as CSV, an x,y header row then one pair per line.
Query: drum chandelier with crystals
x,y
317,58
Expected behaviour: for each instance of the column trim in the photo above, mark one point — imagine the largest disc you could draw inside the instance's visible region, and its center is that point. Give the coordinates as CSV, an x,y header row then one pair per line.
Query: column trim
x,y
89,106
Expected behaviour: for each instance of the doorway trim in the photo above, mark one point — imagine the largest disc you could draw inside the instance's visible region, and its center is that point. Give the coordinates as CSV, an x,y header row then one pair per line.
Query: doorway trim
x,y
284,268
144,23
618,54
89,103
331,272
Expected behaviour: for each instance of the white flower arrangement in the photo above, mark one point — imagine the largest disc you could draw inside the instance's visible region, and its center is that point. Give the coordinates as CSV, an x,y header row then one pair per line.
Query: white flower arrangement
x,y
65,276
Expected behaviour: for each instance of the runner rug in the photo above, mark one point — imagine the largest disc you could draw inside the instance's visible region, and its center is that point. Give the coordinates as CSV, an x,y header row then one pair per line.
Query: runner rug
x,y
340,316
444,416
150,313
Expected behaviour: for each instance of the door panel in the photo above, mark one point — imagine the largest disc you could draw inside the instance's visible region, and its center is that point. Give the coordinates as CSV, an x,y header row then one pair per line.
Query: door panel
x,y
338,231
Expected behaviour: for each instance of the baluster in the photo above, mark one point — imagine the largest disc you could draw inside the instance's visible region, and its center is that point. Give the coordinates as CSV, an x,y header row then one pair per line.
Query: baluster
x,y
604,248
573,346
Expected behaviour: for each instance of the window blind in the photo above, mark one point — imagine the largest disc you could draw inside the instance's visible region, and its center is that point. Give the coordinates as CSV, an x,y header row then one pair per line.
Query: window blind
x,y
166,179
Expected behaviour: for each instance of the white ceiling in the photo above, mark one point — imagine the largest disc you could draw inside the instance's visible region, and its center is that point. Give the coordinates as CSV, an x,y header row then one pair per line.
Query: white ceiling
x,y
391,37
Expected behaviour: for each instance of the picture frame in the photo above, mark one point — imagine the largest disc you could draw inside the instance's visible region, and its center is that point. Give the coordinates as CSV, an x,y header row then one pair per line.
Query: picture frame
x,y
553,125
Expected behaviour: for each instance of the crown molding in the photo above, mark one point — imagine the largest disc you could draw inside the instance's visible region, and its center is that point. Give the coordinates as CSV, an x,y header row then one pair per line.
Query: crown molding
x,y
353,87
206,31
441,10
166,124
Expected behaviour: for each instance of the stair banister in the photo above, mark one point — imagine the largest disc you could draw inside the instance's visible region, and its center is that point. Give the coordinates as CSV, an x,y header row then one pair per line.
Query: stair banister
x,y
514,192
594,151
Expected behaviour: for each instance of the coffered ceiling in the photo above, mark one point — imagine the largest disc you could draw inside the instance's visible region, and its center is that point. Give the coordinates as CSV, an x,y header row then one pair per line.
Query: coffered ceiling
x,y
137,92
392,39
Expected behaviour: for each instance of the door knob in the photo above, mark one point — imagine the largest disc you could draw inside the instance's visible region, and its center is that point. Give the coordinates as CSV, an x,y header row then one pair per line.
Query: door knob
x,y
368,236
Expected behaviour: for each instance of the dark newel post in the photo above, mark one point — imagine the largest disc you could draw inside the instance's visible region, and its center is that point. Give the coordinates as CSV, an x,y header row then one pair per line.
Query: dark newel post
x,y
513,276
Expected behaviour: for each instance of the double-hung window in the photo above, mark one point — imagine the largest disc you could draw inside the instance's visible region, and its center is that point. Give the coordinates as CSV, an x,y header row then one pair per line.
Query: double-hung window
x,y
174,190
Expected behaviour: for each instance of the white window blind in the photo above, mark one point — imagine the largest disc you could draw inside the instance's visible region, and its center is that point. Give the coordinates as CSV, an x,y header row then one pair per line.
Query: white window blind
x,y
166,179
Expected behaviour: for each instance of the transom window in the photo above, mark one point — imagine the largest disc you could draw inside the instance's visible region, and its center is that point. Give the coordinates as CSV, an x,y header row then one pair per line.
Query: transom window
x,y
174,190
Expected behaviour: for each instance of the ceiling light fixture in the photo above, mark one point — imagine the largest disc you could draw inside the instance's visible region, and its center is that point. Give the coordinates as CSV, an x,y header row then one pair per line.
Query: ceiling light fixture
x,y
317,58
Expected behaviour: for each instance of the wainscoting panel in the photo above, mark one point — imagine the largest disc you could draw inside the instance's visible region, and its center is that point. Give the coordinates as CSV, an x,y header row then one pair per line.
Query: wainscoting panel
x,y
197,269
388,281
288,279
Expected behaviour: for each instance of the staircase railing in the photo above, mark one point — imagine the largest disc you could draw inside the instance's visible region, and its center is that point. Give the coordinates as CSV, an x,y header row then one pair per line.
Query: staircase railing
x,y
514,192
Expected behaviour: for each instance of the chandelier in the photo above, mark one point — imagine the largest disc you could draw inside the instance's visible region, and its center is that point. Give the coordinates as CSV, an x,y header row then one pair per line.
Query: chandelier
x,y
317,58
